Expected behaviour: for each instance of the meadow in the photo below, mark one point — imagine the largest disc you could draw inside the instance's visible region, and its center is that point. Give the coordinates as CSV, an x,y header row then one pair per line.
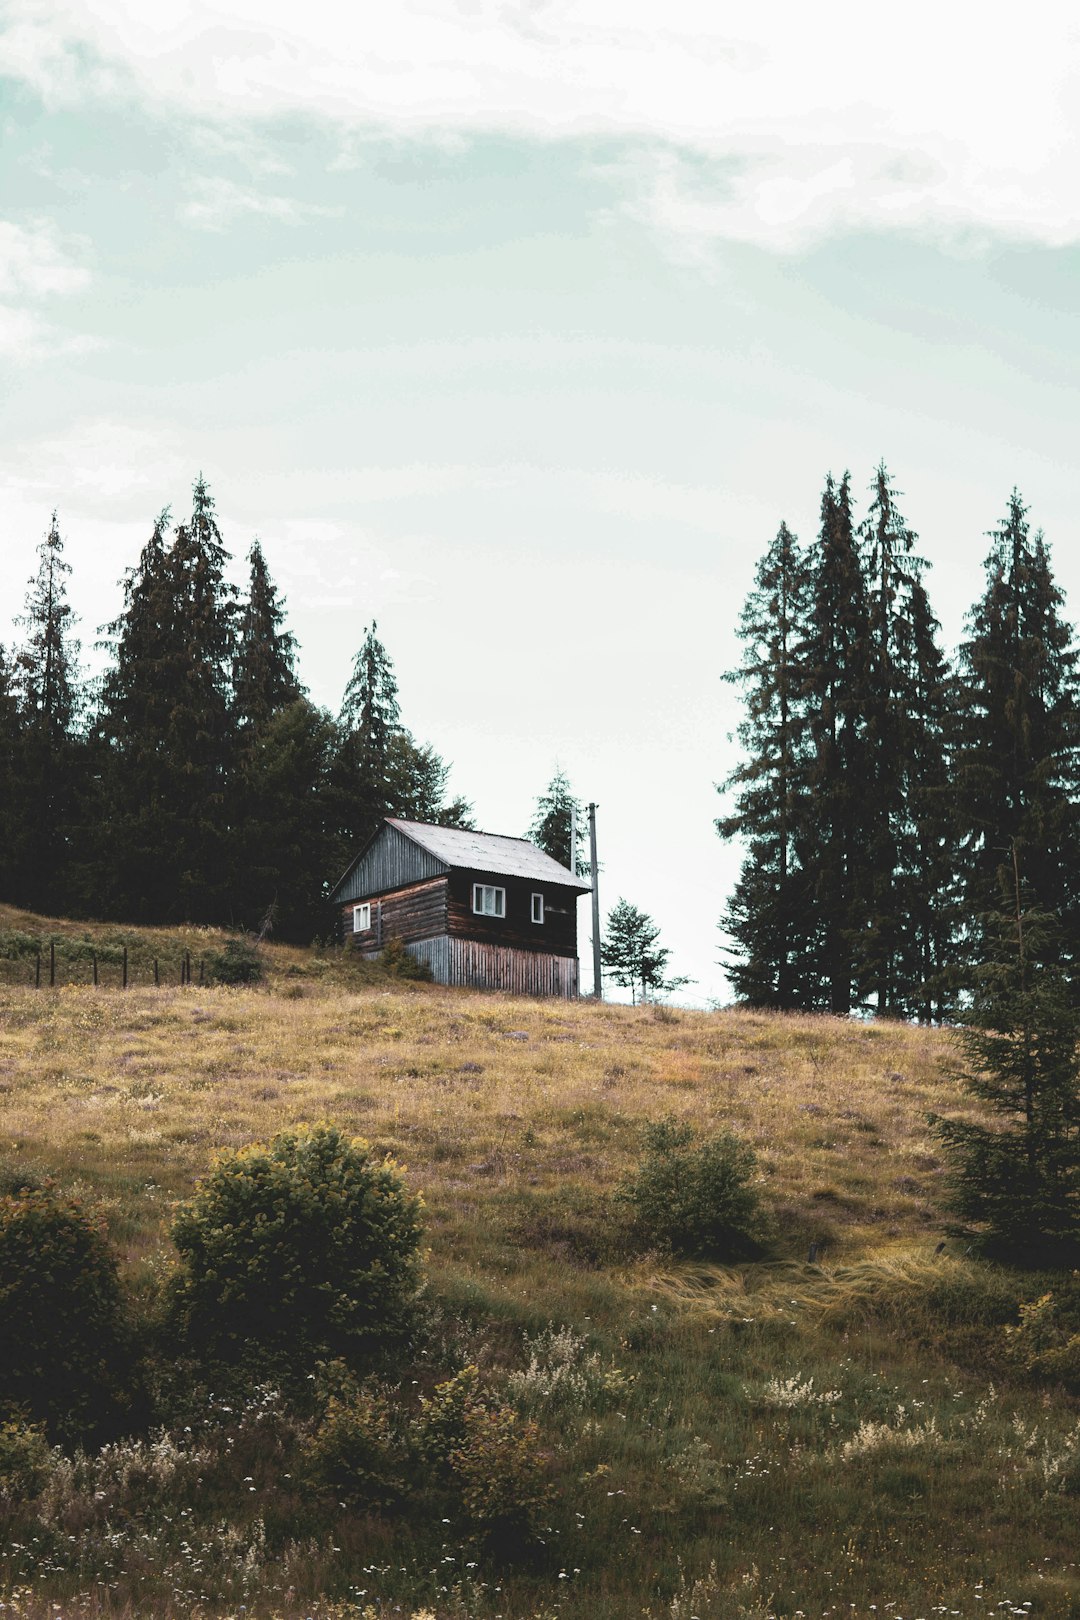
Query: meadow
x,y
861,1433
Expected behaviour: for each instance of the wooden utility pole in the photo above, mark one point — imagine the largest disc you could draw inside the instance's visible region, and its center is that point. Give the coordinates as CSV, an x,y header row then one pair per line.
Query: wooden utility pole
x,y
598,983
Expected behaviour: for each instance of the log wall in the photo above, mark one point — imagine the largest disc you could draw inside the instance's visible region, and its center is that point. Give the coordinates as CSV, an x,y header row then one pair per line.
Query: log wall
x,y
417,912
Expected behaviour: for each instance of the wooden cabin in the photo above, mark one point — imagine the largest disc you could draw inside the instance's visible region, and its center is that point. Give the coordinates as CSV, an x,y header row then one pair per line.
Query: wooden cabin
x,y
482,910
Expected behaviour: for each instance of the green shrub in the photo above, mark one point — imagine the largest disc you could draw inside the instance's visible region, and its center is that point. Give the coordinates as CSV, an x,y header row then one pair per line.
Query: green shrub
x,y
396,961
487,1453
1046,1342
60,1312
238,963
25,1457
696,1196
357,1452
300,1248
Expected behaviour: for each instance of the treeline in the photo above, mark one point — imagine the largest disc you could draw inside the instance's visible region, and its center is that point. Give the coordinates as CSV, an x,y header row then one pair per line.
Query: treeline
x,y
888,798
194,780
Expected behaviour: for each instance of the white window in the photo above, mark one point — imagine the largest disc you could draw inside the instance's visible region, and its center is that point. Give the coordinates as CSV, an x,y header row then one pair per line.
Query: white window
x,y
361,918
538,908
488,901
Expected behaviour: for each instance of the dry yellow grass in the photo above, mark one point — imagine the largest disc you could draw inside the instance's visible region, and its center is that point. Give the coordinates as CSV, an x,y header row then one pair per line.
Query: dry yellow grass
x,y
132,1093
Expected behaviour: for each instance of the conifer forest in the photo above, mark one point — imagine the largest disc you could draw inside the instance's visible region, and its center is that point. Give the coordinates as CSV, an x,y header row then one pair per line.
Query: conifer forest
x,y
888,798
894,803
194,781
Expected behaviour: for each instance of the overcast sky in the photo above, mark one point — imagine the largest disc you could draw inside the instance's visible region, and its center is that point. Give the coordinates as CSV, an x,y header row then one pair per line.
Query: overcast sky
x,y
519,327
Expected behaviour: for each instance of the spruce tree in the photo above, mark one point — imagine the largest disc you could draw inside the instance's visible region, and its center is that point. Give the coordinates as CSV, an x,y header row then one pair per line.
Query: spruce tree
x,y
1020,1176
277,795
556,811
1018,777
769,914
379,768
166,724
835,693
45,681
11,787
633,955
264,677
903,749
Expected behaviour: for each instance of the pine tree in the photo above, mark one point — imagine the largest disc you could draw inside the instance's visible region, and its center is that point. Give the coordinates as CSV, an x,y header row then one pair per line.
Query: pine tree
x,y
165,726
48,697
768,916
835,693
285,844
1018,775
633,955
277,789
380,769
903,744
11,822
1021,1176
556,811
264,677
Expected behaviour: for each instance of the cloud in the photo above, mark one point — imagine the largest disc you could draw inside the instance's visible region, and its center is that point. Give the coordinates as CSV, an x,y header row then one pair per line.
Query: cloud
x,y
215,203
34,265
775,125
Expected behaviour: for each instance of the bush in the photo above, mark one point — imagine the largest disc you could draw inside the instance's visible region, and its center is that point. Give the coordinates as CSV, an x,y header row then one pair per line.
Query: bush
x,y
303,1247
396,961
696,1197
25,1458
488,1453
238,963
1046,1342
60,1312
357,1452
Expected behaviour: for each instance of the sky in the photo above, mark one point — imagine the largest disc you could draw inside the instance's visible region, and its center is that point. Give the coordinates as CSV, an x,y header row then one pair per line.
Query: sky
x,y
518,328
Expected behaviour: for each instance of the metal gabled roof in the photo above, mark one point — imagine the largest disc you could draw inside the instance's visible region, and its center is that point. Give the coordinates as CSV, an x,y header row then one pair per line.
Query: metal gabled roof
x,y
488,852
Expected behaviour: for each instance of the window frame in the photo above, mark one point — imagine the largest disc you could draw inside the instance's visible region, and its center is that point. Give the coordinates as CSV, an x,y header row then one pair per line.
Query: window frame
x,y
357,926
498,908
534,907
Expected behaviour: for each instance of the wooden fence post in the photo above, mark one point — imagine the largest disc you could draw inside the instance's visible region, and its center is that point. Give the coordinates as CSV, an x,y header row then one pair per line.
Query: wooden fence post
x,y
157,979
94,954
37,970
125,968
52,962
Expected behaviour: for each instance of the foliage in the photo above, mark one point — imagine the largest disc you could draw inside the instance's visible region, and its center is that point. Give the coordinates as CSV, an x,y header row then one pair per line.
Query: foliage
x,y
768,914
1018,769
239,963
488,1452
1020,1176
1046,1341
557,810
357,1451
61,1331
847,890
305,1246
631,952
25,1455
696,1196
397,962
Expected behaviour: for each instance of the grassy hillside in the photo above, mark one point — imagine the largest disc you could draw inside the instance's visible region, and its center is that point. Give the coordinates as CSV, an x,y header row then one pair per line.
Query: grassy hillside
x,y
773,1438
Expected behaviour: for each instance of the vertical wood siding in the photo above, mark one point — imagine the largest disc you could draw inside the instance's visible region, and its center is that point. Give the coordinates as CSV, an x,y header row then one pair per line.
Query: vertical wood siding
x,y
392,862
497,967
